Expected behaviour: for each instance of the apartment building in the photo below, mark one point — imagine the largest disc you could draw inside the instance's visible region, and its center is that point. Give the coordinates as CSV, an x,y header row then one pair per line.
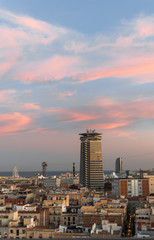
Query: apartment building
x,y
130,187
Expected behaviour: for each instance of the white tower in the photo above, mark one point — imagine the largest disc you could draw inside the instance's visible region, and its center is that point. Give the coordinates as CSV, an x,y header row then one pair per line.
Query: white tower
x,y
15,173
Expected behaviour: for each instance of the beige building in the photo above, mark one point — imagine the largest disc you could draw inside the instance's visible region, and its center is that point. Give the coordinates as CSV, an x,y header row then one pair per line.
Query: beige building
x,y
39,232
91,164
17,232
151,182
69,218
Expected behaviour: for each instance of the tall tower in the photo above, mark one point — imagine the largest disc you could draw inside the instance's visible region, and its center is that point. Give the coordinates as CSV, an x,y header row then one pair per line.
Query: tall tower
x,y
118,165
15,172
91,164
44,169
74,169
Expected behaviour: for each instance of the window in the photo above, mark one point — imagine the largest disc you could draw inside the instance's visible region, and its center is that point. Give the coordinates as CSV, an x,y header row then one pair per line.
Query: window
x,y
11,231
17,232
23,231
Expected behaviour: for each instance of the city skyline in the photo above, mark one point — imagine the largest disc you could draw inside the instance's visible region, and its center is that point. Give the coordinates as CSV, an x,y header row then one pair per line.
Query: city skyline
x,y
67,66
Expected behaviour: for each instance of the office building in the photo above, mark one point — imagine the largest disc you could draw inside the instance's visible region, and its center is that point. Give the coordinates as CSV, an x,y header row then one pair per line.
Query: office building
x,y
118,165
91,164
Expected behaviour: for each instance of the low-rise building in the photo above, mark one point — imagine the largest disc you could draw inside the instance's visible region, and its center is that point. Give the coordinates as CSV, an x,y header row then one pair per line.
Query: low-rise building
x,y
145,222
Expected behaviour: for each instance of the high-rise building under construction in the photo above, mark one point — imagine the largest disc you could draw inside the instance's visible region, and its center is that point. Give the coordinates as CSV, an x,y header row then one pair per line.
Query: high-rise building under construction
x,y
91,163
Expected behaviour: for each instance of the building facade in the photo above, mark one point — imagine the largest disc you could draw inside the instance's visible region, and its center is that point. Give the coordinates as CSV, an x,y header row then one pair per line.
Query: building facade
x,y
130,187
118,165
151,183
91,164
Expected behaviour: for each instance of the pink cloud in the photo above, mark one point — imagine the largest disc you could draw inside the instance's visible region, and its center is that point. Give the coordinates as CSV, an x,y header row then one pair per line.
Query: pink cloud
x,y
123,114
6,95
145,26
69,115
108,114
107,126
122,71
28,91
13,123
55,110
6,65
44,131
63,94
28,33
30,106
55,68
67,94
39,26
50,32
120,56
125,134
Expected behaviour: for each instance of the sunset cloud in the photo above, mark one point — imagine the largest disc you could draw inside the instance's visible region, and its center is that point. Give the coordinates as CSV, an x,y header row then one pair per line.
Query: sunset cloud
x,y
28,23
13,123
55,68
68,115
141,69
123,114
107,126
36,52
30,106
72,116
63,94
44,131
7,95
75,56
107,114
63,71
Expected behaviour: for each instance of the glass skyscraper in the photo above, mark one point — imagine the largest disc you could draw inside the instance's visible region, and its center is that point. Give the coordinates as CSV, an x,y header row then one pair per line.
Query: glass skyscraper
x,y
118,165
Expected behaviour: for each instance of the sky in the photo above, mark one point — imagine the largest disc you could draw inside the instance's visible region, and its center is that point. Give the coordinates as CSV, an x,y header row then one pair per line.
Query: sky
x,y
67,66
